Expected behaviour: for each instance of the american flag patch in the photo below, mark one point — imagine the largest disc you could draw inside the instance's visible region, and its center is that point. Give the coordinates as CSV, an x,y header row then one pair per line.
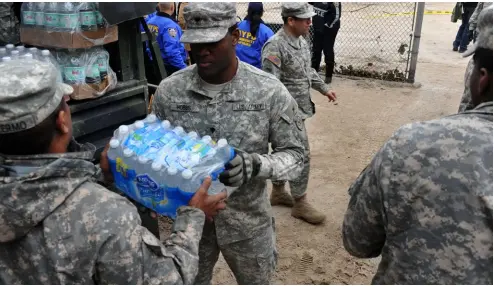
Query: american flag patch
x,y
275,60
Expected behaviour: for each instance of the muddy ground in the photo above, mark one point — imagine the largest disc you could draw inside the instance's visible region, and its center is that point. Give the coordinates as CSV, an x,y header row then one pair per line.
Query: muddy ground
x,y
343,139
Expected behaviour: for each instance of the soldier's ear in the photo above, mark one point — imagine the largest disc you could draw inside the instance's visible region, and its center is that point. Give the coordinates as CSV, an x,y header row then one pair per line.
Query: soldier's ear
x,y
235,36
485,81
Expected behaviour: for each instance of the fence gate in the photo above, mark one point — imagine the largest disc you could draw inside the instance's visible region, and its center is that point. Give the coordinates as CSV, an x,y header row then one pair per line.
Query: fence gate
x,y
374,40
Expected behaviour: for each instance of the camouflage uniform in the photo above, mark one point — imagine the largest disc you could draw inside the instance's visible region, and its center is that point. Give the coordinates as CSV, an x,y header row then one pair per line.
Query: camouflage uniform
x,y
57,226
9,24
251,111
289,59
424,203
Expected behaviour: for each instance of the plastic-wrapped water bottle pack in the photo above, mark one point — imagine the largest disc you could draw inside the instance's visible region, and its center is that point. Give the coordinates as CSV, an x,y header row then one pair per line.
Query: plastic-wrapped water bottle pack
x,y
161,166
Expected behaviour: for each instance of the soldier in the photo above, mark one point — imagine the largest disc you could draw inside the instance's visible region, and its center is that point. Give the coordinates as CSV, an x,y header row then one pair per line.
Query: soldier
x,y
57,226
287,56
466,99
425,201
223,97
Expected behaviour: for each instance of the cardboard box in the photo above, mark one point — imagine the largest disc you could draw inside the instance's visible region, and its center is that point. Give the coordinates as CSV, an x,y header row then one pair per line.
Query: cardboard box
x,y
68,40
89,91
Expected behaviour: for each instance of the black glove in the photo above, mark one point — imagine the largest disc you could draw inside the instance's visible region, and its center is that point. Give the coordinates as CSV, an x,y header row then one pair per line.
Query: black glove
x,y
240,169
471,35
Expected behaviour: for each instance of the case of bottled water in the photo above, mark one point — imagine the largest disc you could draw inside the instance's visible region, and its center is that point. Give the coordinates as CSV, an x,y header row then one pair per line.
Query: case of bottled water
x,y
161,166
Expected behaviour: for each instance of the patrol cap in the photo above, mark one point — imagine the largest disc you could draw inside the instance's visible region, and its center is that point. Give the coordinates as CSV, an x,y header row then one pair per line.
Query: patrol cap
x,y
208,22
29,93
484,29
301,10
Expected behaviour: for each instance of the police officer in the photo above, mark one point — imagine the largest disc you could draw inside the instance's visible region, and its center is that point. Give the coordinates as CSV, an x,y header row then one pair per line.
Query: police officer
x,y
326,24
424,203
223,97
168,34
253,35
287,56
57,226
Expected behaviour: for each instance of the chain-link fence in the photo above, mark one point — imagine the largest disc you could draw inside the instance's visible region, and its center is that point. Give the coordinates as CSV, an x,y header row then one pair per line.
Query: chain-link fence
x,y
374,39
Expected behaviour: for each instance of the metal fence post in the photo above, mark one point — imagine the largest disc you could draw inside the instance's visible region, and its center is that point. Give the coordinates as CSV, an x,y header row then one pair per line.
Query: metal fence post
x,y
417,31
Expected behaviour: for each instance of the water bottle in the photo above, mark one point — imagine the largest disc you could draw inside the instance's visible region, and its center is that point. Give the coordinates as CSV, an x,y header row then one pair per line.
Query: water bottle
x,y
28,56
179,130
39,14
69,16
33,51
130,160
92,69
9,48
100,21
103,58
224,151
21,49
87,17
157,172
150,119
52,17
27,11
14,54
121,133
73,71
188,187
113,152
144,183
46,56
172,183
6,59
139,124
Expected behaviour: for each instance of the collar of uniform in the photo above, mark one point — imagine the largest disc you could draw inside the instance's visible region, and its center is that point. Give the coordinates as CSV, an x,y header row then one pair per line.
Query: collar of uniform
x,y
293,41
485,107
195,85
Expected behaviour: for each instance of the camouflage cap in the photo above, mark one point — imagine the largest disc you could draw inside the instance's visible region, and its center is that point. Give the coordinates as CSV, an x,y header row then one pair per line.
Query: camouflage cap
x,y
208,22
29,93
301,10
484,29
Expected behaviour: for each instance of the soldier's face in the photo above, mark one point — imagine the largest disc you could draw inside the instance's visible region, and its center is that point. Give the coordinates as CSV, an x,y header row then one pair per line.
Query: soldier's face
x,y
300,26
214,58
480,84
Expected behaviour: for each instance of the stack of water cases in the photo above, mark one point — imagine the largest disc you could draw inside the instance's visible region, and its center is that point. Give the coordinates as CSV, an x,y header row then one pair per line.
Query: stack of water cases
x,y
161,166
75,33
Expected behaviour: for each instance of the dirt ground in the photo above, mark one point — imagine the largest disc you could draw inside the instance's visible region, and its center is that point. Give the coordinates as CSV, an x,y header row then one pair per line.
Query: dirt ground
x,y
343,139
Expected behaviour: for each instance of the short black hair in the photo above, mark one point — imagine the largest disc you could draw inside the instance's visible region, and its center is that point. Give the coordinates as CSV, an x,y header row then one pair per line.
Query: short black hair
x,y
32,141
483,59
285,20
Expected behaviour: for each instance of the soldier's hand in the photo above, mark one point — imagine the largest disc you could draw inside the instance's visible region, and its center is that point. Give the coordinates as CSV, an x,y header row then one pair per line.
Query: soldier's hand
x,y
240,169
331,95
209,204
105,165
471,35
